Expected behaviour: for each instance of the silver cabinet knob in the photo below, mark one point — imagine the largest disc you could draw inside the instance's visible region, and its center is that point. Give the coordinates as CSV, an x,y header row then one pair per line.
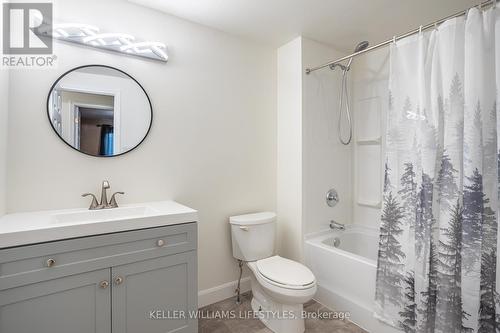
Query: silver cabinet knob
x,y
160,242
50,262
104,284
118,280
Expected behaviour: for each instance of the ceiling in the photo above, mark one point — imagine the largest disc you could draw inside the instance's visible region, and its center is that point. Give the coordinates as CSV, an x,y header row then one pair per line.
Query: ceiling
x,y
340,23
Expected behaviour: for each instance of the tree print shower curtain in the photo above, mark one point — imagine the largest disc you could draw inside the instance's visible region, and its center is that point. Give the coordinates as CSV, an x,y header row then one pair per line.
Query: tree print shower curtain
x,y
437,258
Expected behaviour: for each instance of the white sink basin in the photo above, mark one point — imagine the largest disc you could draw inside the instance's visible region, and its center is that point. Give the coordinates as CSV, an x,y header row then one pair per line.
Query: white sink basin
x,y
44,226
102,215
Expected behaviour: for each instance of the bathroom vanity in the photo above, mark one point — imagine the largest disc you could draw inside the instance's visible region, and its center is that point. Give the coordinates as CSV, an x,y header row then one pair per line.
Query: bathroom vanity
x,y
129,269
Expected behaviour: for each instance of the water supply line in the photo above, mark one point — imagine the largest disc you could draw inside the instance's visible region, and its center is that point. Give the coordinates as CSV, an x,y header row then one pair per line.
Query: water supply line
x,y
238,288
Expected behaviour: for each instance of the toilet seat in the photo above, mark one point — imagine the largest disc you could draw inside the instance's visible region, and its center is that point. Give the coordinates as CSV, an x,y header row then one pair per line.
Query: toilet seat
x,y
285,273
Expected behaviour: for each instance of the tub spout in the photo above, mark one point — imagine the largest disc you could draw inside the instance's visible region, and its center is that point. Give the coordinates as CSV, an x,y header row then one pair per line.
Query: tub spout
x,y
336,226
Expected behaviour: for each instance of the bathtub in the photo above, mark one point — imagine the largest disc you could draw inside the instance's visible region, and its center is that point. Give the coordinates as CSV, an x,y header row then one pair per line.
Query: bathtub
x,y
345,265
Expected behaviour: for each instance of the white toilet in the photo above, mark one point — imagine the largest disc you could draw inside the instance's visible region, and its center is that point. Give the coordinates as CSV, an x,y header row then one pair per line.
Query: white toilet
x,y
280,286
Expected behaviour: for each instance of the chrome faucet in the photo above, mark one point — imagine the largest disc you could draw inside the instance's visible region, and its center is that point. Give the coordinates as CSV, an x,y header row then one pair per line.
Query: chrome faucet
x,y
336,226
104,194
103,204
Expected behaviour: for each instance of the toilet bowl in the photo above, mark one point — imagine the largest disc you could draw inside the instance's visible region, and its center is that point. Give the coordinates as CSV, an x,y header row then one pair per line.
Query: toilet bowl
x,y
279,302
280,286
285,280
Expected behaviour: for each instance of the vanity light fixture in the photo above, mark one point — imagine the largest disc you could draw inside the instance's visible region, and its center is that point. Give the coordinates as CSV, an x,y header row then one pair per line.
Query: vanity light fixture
x,y
90,35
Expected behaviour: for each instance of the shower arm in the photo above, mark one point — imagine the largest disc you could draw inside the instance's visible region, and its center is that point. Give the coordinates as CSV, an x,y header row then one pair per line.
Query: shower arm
x,y
396,38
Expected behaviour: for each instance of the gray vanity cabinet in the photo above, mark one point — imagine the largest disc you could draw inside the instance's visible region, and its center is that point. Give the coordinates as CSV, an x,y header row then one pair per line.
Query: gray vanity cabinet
x,y
73,304
142,281
155,296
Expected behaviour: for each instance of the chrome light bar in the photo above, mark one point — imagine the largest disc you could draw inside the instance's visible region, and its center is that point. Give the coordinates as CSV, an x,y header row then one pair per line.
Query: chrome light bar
x,y
90,35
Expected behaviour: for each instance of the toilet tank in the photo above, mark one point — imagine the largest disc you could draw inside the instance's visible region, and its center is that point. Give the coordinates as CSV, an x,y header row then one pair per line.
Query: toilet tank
x,y
253,235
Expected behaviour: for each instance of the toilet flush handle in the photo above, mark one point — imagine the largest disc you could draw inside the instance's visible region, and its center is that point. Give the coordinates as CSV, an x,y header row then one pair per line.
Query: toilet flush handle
x,y
244,228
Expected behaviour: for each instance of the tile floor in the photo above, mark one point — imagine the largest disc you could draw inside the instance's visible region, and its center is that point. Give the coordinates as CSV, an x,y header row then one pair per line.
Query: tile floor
x,y
245,325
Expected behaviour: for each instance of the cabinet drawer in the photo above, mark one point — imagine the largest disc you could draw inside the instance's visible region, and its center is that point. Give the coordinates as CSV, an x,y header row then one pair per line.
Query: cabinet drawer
x,y
34,263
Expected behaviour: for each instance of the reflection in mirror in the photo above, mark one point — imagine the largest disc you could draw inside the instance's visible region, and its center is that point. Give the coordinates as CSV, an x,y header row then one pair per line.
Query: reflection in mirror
x,y
99,111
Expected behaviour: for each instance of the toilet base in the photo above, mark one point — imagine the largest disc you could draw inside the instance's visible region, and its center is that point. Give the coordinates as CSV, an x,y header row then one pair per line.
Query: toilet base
x,y
278,317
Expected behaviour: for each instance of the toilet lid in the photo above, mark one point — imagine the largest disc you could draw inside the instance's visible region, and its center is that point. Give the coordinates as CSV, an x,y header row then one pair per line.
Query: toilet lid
x,y
285,271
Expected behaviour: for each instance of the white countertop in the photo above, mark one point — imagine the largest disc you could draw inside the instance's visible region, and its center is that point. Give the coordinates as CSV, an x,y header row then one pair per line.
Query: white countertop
x,y
43,226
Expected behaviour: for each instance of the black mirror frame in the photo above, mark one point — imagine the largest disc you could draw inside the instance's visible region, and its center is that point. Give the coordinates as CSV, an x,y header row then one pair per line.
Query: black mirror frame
x,y
109,67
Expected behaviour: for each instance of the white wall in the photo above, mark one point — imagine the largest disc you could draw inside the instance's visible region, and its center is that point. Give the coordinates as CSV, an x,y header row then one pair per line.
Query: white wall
x,y
370,100
213,140
4,105
289,179
326,162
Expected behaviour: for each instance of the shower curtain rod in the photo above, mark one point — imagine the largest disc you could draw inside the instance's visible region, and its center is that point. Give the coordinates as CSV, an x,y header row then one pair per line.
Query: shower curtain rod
x,y
396,38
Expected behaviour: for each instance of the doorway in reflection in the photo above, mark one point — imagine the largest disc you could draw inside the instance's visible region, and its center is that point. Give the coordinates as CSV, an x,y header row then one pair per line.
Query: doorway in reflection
x,y
95,131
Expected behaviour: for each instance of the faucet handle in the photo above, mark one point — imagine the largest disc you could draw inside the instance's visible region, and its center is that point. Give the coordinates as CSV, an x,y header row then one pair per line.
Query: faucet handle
x,y
94,204
112,201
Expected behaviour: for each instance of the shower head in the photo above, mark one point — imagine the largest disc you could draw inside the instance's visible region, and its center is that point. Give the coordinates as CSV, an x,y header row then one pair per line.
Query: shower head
x,y
360,47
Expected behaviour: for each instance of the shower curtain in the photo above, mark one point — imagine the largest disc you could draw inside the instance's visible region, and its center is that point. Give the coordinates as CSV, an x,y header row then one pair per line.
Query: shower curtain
x,y
438,237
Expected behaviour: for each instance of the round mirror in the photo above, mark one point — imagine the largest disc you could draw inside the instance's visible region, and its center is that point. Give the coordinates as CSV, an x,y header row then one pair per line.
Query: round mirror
x,y
99,110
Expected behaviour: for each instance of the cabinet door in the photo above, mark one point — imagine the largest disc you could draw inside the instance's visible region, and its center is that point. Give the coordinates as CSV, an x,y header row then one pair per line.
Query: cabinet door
x,y
76,304
156,295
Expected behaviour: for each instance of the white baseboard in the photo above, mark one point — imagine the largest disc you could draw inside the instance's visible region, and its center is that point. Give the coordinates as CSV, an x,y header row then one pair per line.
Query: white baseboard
x,y
219,293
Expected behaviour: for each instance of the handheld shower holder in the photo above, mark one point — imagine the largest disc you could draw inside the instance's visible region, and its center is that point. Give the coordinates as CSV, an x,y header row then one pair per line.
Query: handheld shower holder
x,y
342,67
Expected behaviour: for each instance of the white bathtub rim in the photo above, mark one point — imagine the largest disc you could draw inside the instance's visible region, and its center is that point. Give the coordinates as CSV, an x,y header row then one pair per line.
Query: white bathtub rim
x,y
359,228
317,238
343,253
